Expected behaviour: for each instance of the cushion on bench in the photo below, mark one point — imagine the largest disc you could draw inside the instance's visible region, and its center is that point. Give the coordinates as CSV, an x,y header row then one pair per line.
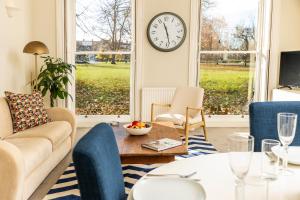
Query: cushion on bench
x,y
56,132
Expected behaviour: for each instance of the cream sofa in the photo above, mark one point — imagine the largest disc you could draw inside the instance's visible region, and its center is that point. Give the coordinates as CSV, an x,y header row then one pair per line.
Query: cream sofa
x,y
27,157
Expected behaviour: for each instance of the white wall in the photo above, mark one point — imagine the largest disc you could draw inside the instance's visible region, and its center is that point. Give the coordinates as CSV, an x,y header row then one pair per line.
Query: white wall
x,y
285,35
164,69
15,66
44,29
44,23
155,68
36,20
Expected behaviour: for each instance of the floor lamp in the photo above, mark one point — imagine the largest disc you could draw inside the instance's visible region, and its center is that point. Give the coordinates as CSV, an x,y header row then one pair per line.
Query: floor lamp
x,y
36,48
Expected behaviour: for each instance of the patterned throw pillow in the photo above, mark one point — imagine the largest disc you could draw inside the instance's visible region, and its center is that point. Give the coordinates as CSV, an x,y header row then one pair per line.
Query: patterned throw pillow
x,y
27,110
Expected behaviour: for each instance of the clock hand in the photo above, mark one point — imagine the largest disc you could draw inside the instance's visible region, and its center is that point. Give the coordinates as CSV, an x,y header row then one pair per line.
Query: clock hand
x,y
167,33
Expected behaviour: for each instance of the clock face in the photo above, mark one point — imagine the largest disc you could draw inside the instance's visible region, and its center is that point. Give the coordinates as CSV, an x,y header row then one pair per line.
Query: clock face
x,y
166,31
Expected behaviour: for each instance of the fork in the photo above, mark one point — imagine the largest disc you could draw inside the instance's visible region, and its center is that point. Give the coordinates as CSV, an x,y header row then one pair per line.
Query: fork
x,y
179,175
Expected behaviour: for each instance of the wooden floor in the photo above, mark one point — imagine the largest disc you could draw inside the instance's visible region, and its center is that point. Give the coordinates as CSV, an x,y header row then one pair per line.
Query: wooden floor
x,y
216,136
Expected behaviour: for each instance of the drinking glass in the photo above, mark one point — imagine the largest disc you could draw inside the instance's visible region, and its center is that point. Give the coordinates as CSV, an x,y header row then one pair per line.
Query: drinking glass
x,y
269,161
240,154
286,127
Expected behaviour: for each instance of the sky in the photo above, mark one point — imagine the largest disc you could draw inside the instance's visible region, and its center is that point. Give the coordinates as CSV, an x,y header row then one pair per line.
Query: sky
x,y
234,11
80,6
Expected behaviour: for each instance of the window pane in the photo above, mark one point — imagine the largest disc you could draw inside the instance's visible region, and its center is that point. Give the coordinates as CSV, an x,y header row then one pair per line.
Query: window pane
x,y
102,88
228,82
103,25
228,24
103,79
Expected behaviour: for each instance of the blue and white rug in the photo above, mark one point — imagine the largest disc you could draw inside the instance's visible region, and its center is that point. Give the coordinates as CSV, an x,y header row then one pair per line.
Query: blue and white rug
x,y
66,188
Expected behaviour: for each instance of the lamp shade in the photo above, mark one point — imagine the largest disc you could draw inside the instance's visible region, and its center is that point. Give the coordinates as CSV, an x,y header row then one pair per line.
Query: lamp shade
x,y
36,48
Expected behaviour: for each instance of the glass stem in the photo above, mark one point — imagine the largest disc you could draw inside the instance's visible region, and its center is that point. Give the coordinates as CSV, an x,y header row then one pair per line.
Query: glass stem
x,y
285,160
240,190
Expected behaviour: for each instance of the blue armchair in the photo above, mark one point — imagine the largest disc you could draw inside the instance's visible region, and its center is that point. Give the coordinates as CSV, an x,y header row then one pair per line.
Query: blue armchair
x,y
263,120
98,166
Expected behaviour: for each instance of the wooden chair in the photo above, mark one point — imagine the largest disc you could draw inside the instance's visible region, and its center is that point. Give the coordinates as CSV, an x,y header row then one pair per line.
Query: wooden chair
x,y
185,111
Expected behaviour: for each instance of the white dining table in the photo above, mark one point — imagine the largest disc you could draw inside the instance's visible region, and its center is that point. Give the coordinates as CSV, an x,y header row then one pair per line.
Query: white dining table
x,y
218,180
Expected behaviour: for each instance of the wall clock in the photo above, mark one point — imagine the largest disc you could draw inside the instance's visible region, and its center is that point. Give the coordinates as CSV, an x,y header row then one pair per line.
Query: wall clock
x,y
166,31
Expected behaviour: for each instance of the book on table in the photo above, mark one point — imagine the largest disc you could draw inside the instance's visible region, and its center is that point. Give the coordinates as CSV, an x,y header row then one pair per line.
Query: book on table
x,y
162,144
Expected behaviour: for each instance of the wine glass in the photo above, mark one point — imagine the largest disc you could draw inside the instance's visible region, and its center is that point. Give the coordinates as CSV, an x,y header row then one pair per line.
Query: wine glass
x,y
241,148
286,127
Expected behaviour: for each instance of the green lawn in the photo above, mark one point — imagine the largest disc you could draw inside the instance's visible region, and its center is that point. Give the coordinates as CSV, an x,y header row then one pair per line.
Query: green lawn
x,y
226,88
104,88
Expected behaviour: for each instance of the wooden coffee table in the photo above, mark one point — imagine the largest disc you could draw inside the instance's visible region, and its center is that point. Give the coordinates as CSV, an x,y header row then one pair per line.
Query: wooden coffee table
x,y
132,152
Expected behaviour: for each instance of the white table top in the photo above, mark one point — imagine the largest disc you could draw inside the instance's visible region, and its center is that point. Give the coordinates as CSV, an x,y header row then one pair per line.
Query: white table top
x,y
218,180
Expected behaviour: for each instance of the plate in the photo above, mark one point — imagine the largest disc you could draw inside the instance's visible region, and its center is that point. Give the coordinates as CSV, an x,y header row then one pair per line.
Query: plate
x,y
168,188
293,156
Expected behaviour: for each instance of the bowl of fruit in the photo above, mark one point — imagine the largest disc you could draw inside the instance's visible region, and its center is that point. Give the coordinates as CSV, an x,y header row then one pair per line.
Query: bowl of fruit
x,y
138,128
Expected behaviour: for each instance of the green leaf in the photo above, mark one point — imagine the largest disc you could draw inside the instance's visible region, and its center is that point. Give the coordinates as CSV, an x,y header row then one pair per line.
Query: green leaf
x,y
54,76
60,94
44,91
65,80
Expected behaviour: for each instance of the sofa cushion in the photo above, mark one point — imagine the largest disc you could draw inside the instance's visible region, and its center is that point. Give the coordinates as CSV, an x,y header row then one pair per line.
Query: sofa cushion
x,y
27,110
56,132
34,150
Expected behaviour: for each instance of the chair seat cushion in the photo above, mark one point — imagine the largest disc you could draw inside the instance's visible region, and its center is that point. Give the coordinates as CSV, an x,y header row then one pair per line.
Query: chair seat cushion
x,y
34,150
56,132
177,119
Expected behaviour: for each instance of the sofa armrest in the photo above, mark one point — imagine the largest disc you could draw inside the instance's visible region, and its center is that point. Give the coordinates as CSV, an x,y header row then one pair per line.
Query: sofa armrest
x,y
12,172
62,114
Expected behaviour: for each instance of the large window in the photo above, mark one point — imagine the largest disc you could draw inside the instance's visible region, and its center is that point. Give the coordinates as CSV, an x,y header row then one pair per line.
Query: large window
x,y
227,58
103,57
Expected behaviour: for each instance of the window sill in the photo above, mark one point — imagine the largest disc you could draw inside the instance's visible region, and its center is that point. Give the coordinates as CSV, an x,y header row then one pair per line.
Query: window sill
x,y
227,121
92,120
212,121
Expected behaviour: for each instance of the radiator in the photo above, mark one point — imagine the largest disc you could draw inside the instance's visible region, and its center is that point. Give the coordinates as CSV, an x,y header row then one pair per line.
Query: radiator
x,y
155,95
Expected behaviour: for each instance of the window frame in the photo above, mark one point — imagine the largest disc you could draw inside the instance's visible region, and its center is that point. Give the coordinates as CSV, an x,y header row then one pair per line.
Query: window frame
x,y
263,35
89,120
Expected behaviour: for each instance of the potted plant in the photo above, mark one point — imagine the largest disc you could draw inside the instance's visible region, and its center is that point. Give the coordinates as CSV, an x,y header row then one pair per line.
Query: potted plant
x,y
54,76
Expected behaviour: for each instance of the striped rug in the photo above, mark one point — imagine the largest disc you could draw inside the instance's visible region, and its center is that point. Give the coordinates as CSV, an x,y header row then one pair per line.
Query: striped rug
x,y
66,188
